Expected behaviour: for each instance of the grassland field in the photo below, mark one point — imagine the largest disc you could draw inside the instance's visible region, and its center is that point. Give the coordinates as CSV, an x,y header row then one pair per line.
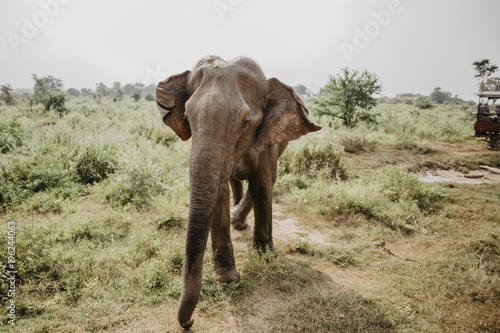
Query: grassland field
x,y
99,197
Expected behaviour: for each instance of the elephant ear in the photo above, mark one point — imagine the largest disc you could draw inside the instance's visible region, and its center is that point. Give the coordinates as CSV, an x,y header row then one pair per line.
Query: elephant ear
x,y
285,117
171,97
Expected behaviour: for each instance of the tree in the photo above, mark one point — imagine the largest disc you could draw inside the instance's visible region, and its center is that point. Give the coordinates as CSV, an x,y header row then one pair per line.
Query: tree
x,y
349,96
48,90
484,70
493,84
149,97
118,96
437,96
73,92
6,95
140,86
86,92
56,101
117,86
103,89
302,91
43,85
424,103
129,89
136,96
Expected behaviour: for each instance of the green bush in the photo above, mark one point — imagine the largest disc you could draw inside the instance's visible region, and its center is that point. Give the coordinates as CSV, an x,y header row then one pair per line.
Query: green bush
x,y
95,164
136,186
41,171
162,134
168,223
56,100
313,156
355,142
399,185
392,197
410,144
156,132
11,135
342,257
424,103
288,182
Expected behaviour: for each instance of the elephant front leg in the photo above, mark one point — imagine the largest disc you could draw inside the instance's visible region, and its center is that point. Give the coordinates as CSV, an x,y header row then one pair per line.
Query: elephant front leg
x,y
222,248
261,191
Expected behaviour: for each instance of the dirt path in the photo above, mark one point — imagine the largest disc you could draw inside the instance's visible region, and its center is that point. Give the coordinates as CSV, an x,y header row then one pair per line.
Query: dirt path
x,y
477,177
286,229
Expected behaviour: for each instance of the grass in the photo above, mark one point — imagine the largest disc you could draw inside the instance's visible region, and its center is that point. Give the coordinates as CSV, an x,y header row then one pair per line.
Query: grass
x,y
100,201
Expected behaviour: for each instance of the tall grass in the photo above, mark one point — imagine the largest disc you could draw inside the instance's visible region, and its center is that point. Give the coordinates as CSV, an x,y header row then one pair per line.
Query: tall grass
x,y
391,197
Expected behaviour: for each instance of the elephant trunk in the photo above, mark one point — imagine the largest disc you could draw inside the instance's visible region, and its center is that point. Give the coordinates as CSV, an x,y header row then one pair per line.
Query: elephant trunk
x,y
207,172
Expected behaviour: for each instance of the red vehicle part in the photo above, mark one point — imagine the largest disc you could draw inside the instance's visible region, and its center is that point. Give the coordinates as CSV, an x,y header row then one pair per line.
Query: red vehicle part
x,y
488,124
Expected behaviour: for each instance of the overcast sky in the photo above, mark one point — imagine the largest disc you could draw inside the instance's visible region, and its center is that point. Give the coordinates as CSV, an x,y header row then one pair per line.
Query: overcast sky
x,y
413,46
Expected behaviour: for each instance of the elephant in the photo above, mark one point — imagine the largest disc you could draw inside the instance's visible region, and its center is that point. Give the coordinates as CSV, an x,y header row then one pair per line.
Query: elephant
x,y
240,123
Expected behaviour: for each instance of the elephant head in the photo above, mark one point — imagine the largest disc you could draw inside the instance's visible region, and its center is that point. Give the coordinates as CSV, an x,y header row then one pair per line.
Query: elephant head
x,y
233,113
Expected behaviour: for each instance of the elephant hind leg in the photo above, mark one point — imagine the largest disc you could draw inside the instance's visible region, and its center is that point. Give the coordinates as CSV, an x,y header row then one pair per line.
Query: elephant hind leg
x,y
240,211
237,190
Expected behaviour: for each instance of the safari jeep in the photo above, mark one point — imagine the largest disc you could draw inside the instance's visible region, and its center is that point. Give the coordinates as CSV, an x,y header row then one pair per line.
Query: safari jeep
x,y
487,124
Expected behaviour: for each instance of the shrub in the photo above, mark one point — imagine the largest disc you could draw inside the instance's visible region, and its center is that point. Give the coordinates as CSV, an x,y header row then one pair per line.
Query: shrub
x,y
52,200
95,164
399,185
392,197
136,186
6,96
162,134
355,142
342,257
313,155
158,133
424,103
409,144
56,100
23,176
168,223
11,135
136,96
286,183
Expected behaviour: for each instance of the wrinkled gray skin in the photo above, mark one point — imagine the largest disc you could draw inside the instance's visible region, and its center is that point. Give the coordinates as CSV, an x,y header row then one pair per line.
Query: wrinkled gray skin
x,y
240,123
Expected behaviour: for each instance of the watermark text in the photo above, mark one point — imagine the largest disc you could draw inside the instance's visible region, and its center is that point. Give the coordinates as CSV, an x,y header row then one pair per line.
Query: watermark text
x,y
363,37
11,273
224,6
31,26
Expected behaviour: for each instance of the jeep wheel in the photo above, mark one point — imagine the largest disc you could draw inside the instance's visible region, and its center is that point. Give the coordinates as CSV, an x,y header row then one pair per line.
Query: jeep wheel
x,y
495,142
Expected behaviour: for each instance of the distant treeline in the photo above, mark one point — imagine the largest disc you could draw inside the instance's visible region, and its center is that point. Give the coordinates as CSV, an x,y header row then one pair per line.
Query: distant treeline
x,y
43,86
436,97
116,91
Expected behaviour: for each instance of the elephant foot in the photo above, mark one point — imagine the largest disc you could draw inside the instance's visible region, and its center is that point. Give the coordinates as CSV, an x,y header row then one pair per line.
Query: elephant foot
x,y
187,325
226,275
264,247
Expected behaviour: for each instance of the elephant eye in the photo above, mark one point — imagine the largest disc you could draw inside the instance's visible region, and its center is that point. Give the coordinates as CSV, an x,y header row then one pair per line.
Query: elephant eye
x,y
245,123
